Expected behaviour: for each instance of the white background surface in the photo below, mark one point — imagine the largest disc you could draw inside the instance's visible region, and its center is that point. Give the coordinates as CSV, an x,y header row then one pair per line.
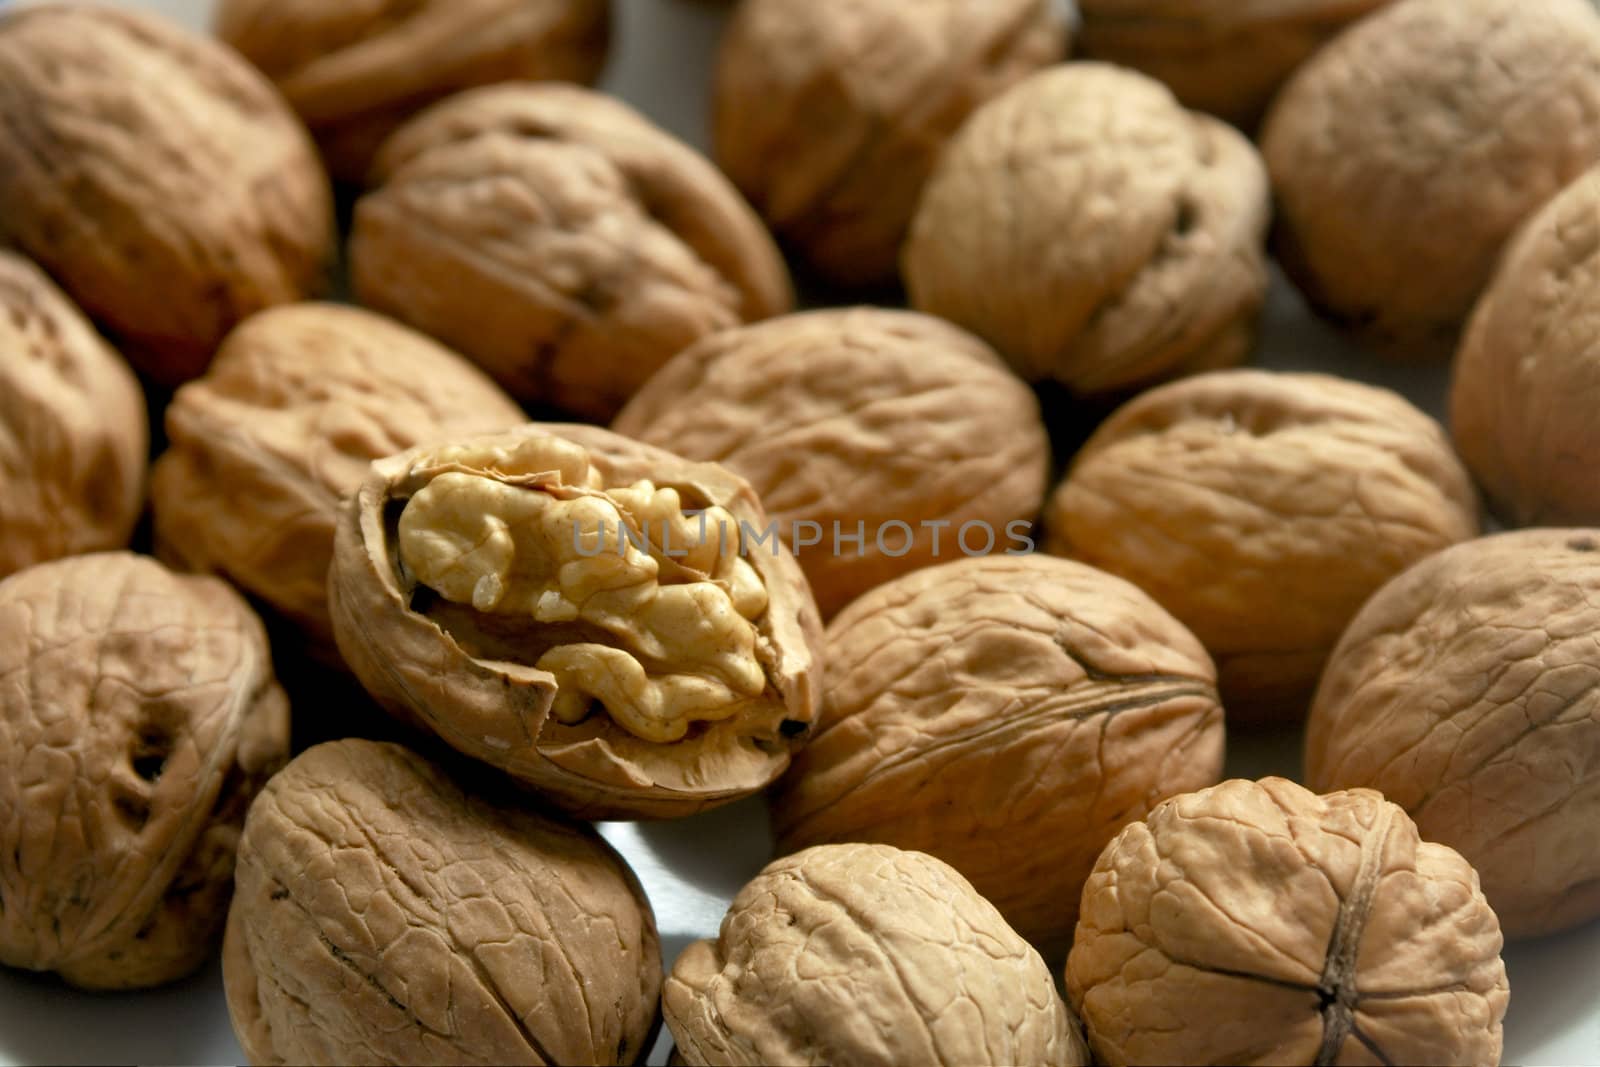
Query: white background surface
x,y
661,63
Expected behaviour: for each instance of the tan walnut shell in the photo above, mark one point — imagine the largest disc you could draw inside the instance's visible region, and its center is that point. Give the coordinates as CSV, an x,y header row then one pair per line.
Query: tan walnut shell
x,y
559,239
1008,715
1256,922
495,590
1406,153
138,718
1468,693
1521,407
158,177
1262,509
887,422
354,73
266,447
860,956
74,436
1095,232
385,916
830,114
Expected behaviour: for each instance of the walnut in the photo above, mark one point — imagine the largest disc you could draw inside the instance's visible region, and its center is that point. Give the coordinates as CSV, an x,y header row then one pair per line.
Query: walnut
x,y
1095,232
138,717
888,426
73,426
1466,692
560,240
384,916
607,622
356,72
1406,153
1262,510
157,176
1256,922
1008,715
1522,403
830,114
860,955
265,448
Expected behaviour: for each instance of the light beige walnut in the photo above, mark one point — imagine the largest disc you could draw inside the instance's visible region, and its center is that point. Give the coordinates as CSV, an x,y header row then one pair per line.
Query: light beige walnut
x,y
1406,153
1256,922
559,239
1095,232
830,114
354,72
864,955
385,916
1262,510
603,620
266,447
138,718
889,425
1008,715
74,436
157,176
1467,691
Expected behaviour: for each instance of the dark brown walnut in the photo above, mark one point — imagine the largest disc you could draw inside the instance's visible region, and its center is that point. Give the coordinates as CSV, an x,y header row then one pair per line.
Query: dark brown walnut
x,y
830,114
1406,153
157,176
1521,406
1095,232
1256,922
354,73
385,916
603,620
138,718
1008,715
559,239
888,425
1262,510
1467,692
864,955
74,436
266,447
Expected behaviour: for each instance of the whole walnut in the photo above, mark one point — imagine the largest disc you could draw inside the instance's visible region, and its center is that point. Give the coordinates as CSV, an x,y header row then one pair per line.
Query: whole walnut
x,y
830,114
138,718
356,72
1220,56
884,424
385,916
556,237
1008,715
266,447
1405,154
860,955
1521,406
72,417
601,619
157,176
1467,691
1256,922
1262,510
1095,232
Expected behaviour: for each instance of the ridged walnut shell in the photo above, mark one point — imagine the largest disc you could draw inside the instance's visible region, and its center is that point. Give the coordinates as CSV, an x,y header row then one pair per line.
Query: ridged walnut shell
x,y
1095,232
138,718
1256,922
864,955
1008,715
385,916
559,239
74,436
158,177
